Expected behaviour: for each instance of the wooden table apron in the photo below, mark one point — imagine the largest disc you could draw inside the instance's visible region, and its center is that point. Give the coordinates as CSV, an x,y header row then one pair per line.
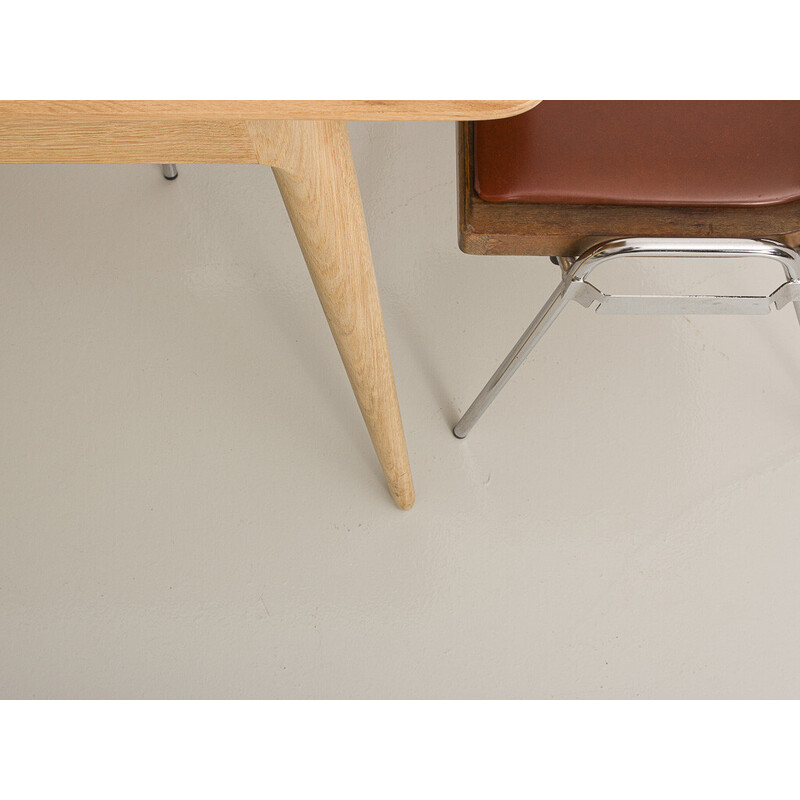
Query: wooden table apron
x,y
313,166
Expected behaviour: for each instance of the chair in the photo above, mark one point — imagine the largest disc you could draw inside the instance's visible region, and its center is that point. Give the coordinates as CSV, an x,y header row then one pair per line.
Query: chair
x,y
585,182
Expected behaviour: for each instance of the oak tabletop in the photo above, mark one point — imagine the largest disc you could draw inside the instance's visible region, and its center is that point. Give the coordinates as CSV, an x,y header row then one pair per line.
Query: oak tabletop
x,y
266,109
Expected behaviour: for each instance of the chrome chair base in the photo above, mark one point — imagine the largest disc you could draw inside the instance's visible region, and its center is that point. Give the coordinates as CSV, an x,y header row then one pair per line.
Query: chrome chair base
x,y
575,286
170,171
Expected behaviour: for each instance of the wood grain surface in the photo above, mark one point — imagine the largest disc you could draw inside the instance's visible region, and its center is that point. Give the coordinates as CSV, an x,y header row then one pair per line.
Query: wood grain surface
x,y
265,109
314,169
124,141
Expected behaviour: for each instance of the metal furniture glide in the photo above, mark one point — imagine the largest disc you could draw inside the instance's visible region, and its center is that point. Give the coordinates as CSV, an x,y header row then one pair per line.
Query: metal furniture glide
x,y
587,182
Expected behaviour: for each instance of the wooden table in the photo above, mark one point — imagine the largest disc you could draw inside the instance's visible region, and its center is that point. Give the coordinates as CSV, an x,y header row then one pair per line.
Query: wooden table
x,y
307,145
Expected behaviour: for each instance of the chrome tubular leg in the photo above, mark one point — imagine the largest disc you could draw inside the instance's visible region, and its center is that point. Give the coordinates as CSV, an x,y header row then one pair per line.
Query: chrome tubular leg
x,y
792,272
575,286
170,171
543,320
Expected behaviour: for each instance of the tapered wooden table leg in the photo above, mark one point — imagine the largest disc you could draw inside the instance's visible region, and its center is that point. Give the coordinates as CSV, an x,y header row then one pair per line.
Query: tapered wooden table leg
x,y
317,179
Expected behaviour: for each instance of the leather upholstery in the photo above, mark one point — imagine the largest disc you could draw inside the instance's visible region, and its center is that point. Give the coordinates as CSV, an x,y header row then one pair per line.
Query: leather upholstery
x,y
642,152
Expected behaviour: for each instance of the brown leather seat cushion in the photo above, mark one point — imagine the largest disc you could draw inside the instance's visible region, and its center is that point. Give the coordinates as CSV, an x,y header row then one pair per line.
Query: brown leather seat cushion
x,y
642,152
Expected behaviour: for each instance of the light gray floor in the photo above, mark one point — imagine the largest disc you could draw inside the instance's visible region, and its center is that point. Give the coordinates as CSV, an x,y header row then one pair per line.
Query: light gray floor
x,y
190,505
